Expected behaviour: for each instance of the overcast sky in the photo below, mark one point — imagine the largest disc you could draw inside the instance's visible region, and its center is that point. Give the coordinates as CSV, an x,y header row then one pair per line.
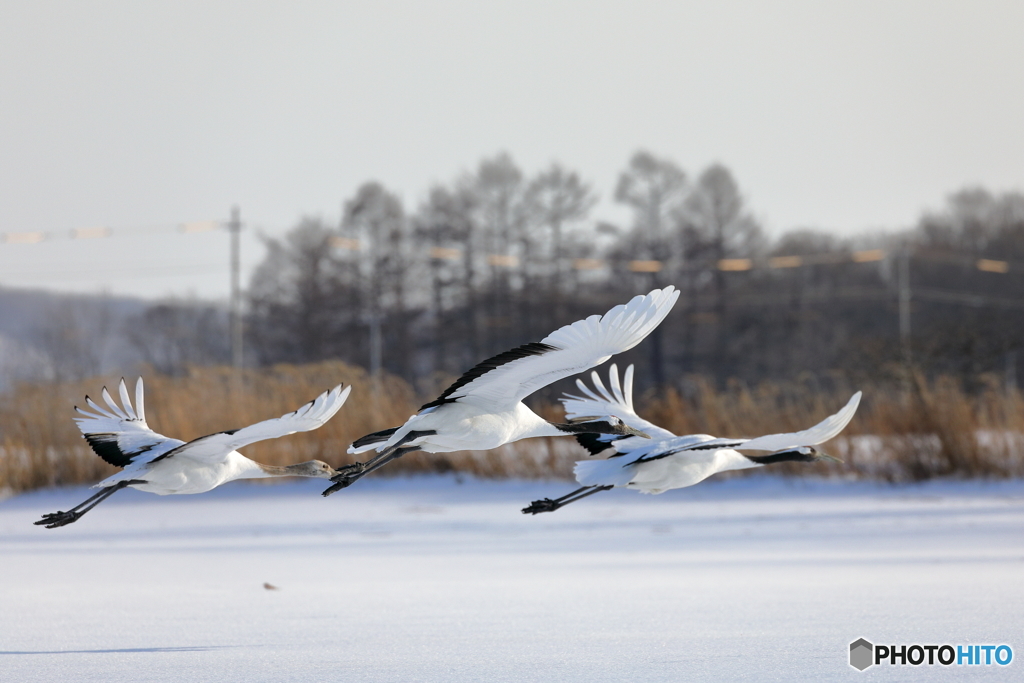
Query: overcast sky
x,y
844,116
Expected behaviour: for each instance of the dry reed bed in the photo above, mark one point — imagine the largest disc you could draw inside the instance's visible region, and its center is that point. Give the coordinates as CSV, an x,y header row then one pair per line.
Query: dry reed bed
x,y
933,429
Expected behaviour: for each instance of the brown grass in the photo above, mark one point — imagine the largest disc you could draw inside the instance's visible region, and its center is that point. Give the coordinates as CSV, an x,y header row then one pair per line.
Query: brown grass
x,y
907,432
929,429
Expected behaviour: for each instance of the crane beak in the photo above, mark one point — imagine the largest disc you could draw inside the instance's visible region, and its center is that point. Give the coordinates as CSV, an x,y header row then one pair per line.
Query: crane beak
x,y
637,432
822,455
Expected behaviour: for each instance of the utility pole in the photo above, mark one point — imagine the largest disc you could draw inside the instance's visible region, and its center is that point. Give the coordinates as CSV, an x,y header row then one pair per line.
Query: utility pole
x,y
376,342
235,228
371,283
1010,375
904,283
376,314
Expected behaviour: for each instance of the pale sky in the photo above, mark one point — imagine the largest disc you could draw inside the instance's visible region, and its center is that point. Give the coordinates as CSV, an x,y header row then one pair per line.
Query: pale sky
x,y
843,116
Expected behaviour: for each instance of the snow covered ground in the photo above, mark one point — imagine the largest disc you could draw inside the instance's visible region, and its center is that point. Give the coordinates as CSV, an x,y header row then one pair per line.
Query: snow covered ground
x,y
429,579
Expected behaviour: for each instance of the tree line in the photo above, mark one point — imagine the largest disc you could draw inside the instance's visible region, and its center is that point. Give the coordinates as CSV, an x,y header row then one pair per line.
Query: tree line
x,y
496,258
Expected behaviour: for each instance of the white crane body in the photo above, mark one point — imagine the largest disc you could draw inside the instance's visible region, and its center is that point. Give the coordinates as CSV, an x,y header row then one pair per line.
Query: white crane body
x,y
157,464
668,461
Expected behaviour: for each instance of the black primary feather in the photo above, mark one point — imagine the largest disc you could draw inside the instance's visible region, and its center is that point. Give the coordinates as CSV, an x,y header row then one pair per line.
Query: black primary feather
x,y
784,456
482,368
105,446
698,447
595,443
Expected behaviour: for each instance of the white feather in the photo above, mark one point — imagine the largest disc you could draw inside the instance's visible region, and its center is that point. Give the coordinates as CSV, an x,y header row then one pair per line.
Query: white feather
x,y
615,402
827,429
578,346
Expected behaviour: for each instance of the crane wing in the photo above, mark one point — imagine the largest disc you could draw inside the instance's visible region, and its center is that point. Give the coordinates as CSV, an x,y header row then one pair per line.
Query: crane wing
x,y
214,447
500,382
829,428
618,401
618,471
680,444
119,433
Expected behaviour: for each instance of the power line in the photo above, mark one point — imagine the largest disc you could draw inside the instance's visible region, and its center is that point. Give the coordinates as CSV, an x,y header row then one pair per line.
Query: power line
x,y
904,292
967,299
988,265
100,232
155,270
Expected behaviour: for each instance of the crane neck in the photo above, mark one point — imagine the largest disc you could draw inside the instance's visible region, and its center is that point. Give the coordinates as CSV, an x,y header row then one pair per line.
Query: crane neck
x,y
570,428
250,469
299,470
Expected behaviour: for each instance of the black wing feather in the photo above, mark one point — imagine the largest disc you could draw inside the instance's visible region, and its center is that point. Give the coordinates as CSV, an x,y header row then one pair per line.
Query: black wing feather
x,y
594,443
105,446
482,368
699,447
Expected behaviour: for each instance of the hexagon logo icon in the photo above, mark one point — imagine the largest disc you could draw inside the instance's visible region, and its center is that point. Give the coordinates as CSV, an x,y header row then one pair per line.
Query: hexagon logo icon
x,y
861,654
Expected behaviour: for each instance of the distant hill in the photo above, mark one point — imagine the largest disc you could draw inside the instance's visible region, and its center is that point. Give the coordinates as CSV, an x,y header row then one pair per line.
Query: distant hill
x,y
23,312
50,336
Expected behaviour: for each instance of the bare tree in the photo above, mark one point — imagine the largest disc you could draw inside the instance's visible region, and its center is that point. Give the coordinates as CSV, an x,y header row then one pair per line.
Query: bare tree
x,y
972,218
375,218
73,339
301,298
653,188
497,187
716,210
21,361
172,335
713,215
555,199
444,227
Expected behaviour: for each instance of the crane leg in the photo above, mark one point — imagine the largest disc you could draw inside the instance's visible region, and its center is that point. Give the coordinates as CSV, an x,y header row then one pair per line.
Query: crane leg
x,y
349,474
350,478
549,505
53,520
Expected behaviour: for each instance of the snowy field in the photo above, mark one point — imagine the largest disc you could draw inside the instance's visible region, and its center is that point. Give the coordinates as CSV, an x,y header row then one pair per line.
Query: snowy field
x,y
429,579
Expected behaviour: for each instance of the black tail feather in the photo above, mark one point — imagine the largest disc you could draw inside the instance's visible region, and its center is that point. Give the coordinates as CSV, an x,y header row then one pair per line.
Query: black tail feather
x,y
376,437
